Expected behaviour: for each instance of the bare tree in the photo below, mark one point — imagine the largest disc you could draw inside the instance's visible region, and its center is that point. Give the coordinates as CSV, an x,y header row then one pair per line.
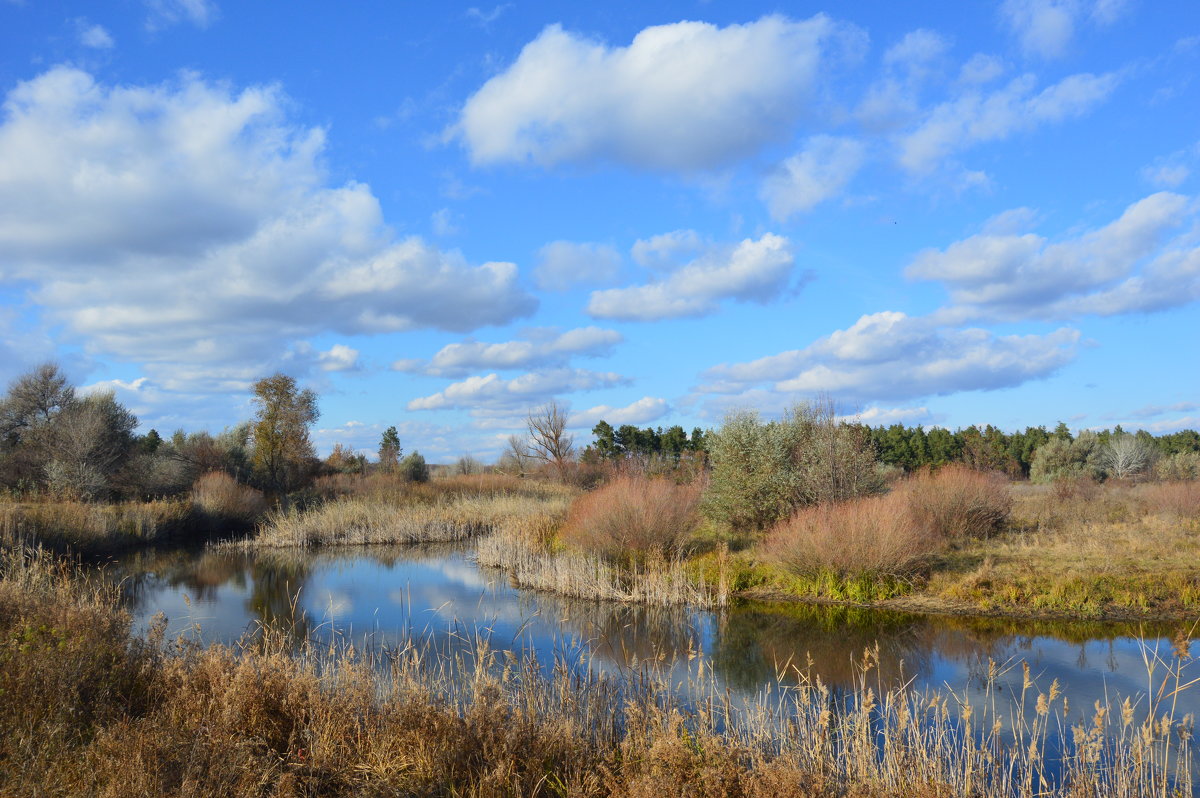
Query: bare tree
x,y
549,440
1125,456
515,459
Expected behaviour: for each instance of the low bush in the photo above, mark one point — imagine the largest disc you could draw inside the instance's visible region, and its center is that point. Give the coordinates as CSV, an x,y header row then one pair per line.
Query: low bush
x,y
957,502
875,535
222,499
1180,499
633,516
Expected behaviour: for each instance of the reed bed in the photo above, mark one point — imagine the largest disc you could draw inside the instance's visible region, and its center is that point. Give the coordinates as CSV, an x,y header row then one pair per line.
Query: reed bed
x,y
86,527
361,521
652,580
86,709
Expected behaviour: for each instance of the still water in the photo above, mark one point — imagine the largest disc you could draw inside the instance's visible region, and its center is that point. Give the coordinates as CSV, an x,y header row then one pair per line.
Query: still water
x,y
379,597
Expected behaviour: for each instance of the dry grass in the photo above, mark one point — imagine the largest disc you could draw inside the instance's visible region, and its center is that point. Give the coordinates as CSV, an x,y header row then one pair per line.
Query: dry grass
x,y
96,528
87,711
634,516
1178,499
1087,551
225,501
395,489
359,521
956,502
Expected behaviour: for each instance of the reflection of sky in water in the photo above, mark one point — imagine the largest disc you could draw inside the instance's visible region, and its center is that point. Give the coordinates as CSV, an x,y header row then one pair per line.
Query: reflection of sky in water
x,y
379,597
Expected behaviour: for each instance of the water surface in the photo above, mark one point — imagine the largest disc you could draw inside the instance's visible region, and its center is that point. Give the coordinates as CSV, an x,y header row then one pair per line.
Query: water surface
x,y
382,596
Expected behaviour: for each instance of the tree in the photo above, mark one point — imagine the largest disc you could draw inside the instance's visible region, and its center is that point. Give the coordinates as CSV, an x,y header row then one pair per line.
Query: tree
x,y
1125,456
282,449
389,450
92,439
515,459
414,468
549,440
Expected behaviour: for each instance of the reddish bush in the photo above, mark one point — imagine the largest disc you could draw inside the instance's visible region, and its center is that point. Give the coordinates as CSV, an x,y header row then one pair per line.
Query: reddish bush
x,y
1180,499
957,502
634,515
874,535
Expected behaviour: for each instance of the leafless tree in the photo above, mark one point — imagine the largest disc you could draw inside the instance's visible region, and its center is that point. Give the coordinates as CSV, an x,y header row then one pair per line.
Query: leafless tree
x,y
515,459
549,440
1126,456
92,438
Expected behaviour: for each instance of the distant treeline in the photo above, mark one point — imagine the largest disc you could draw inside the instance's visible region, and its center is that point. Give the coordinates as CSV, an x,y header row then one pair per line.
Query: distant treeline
x,y
913,448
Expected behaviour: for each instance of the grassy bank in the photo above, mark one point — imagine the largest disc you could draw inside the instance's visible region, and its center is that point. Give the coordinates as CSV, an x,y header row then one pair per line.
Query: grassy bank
x,y
86,709
366,512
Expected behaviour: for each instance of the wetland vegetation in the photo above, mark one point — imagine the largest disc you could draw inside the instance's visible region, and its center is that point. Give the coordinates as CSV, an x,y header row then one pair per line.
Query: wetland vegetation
x,y
808,508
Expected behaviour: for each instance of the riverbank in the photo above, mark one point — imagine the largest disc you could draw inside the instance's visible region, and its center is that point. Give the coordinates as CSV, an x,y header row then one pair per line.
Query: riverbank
x,y
86,708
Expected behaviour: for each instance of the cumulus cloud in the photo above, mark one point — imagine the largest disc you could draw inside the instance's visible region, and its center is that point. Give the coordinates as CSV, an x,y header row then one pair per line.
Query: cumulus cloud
x,y
516,394
542,348
189,228
643,411
337,358
165,13
752,271
884,416
1045,28
1129,265
892,356
684,96
818,172
976,115
908,65
564,264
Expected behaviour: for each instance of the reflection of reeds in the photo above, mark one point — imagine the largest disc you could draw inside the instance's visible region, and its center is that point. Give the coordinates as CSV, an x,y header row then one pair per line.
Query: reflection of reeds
x,y
85,709
359,521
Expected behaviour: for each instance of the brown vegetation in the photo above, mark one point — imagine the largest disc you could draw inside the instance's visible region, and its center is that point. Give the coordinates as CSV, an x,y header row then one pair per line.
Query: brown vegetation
x,y
633,516
956,502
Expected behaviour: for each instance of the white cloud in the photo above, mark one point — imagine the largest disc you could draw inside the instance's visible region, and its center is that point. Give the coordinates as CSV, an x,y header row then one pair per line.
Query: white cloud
x,y
165,13
885,416
818,172
1045,28
95,36
683,96
894,98
518,393
892,356
667,250
189,229
338,358
1171,171
1128,265
754,271
543,348
643,411
563,264
975,116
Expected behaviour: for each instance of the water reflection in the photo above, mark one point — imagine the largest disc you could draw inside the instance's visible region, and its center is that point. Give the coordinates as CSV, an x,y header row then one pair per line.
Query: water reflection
x,y
381,596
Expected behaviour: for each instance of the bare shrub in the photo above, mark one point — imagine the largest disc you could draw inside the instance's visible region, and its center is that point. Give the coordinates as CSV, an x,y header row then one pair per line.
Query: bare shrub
x,y
873,535
957,502
1180,499
219,496
634,515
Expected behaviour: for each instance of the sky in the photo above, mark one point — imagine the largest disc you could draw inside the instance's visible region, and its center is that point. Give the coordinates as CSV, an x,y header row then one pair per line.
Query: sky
x,y
441,216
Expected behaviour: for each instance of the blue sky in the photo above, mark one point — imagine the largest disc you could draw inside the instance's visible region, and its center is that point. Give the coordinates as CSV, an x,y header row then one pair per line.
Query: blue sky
x,y
439,216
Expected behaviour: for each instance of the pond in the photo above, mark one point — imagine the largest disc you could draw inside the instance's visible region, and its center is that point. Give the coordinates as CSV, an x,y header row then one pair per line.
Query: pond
x,y
380,596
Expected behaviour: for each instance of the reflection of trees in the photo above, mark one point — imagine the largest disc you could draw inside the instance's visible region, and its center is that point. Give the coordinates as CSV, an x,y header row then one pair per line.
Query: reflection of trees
x,y
624,634
762,643
278,576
